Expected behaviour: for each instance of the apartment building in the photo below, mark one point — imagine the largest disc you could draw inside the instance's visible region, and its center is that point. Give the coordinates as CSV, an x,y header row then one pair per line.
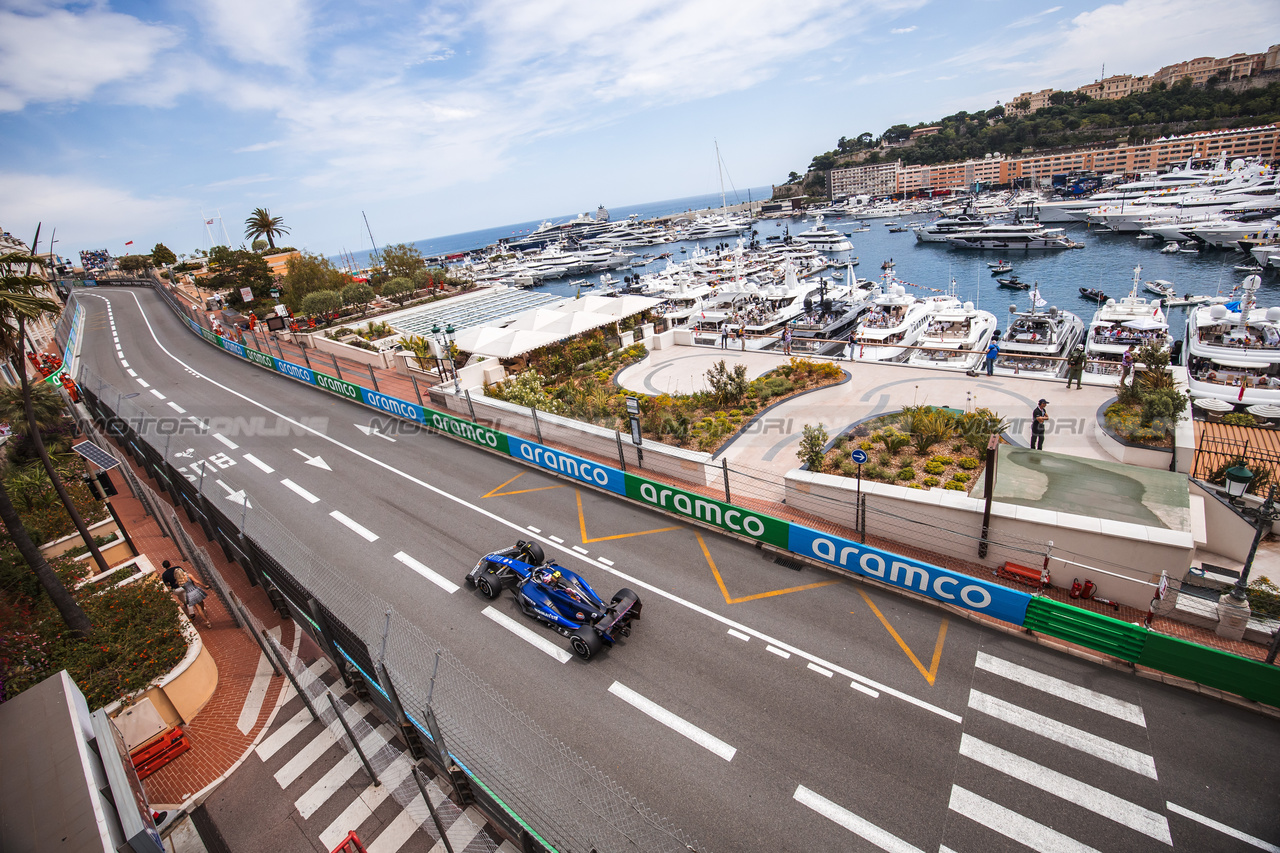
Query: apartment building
x,y
951,176
1034,101
870,179
1117,86
1201,68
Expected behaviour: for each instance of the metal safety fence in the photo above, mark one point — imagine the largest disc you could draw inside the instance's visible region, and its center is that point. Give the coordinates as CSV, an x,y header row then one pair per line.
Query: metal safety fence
x,y
494,755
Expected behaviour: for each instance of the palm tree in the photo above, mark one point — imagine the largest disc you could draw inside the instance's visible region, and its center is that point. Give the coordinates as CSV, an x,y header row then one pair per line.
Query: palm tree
x,y
262,224
20,301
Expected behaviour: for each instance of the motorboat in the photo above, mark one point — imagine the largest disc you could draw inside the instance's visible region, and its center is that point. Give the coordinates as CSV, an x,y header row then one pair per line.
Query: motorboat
x,y
1233,350
1008,236
940,229
955,337
894,323
1013,283
1252,267
1131,321
999,263
824,238
1161,287
1037,342
1094,294
1170,248
1001,268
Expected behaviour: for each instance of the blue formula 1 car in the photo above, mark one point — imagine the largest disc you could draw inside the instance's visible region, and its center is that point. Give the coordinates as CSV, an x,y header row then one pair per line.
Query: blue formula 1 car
x,y
552,594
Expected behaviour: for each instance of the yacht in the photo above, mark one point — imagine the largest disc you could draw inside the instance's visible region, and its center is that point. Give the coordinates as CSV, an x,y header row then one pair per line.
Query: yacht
x,y
1117,325
1233,350
824,238
1037,342
1026,235
894,323
940,229
955,337
715,226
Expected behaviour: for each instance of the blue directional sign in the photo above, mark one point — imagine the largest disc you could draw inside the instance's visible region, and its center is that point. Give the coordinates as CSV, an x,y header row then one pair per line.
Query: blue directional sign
x,y
858,456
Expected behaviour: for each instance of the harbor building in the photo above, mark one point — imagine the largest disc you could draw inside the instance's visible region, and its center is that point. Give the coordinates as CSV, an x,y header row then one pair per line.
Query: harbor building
x,y
871,179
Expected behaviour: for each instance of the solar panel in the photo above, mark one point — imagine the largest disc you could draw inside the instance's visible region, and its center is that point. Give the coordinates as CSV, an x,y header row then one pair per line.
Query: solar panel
x,y
96,455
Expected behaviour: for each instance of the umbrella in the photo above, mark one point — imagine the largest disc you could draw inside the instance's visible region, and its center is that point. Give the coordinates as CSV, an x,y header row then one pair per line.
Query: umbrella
x,y
1144,324
1264,410
1213,404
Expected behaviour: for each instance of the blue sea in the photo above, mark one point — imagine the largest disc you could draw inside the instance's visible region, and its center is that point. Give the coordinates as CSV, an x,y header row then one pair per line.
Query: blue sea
x,y
1106,262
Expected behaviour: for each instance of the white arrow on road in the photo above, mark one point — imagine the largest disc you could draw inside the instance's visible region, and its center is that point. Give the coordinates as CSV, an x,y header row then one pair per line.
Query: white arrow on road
x,y
236,496
313,460
371,431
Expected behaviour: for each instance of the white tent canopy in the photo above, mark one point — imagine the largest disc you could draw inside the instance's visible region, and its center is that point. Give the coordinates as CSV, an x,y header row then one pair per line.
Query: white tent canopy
x,y
540,327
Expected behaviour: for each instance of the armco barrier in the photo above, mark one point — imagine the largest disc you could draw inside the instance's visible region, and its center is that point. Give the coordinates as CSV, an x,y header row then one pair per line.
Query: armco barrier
x,y
1222,670
1231,673
1086,628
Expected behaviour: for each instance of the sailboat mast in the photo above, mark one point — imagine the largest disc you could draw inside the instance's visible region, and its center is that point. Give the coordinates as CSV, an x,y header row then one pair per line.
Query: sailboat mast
x,y
374,255
724,208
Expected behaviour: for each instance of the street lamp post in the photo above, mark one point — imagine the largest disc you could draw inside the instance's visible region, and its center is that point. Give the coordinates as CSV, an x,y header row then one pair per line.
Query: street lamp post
x,y
444,338
1233,607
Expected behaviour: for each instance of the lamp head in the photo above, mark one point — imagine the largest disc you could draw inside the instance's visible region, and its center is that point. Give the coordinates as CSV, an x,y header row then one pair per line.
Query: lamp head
x,y
1238,478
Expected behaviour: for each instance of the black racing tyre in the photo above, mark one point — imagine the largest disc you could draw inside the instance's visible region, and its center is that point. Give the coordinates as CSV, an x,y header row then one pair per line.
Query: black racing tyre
x,y
534,552
585,642
489,585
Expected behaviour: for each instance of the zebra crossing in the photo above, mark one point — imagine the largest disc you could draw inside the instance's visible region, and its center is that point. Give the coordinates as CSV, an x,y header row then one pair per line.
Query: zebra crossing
x,y
1091,784
332,794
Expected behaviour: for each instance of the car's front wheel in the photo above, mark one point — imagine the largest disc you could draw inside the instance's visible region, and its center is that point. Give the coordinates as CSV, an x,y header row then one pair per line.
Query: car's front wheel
x,y
489,586
585,642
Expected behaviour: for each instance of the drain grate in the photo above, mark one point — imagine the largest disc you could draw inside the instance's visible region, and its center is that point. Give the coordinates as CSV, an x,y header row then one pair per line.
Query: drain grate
x,y
787,562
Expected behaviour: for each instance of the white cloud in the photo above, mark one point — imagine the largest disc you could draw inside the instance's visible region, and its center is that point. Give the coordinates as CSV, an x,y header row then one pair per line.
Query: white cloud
x,y
84,211
251,31
904,30
258,146
1031,19
56,55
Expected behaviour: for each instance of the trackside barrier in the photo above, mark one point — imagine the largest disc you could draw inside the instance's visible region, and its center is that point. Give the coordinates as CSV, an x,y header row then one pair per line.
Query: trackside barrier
x,y
1252,679
1213,668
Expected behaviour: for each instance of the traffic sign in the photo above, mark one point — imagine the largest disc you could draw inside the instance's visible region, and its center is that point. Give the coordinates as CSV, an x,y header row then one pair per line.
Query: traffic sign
x,y
858,455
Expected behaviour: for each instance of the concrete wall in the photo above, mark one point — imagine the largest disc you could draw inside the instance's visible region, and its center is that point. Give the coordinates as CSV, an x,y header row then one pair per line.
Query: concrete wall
x,y
106,527
1132,454
317,341
951,522
1226,533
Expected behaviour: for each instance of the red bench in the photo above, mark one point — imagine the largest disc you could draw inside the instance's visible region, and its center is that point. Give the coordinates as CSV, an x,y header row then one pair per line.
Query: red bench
x,y
1023,574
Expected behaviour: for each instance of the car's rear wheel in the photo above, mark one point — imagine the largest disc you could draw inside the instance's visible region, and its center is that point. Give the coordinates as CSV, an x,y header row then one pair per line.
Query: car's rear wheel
x,y
585,642
489,586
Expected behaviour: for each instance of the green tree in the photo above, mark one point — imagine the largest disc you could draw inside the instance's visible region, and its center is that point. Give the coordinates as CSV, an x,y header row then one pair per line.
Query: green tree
x,y
262,224
813,446
400,260
20,301
162,255
399,289
527,389
727,386
357,295
305,274
322,303
233,269
134,263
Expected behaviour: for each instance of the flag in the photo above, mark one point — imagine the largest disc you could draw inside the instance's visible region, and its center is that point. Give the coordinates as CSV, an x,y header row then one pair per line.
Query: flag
x,y
208,222
130,243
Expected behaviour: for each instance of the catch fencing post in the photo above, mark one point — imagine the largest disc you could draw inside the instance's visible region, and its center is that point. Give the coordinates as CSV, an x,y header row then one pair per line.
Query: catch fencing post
x,y
306,700
337,371
724,466
537,427
622,459
416,389
307,358
435,818
470,406
326,636
372,378
355,743
989,485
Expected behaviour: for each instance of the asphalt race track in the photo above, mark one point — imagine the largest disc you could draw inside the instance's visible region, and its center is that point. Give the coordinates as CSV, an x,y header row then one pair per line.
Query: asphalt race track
x,y
754,706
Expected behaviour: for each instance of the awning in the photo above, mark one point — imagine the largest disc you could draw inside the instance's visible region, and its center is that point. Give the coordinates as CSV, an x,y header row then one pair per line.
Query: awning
x,y
1240,365
1144,324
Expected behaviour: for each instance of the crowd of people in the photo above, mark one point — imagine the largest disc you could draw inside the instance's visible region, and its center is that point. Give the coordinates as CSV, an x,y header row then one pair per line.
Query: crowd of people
x,y
45,362
1117,334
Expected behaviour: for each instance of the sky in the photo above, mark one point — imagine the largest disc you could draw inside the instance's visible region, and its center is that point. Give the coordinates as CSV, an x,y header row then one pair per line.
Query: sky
x,y
133,121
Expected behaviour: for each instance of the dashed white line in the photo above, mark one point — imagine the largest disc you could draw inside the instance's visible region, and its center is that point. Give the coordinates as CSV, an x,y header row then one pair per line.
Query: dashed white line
x,y
534,529
264,467
294,487
734,632
177,408
828,673
144,383
556,539
680,725
354,526
436,578
777,651
197,422
132,373
228,442
857,825
874,694
123,363
606,562
581,550
1223,828
158,394
522,631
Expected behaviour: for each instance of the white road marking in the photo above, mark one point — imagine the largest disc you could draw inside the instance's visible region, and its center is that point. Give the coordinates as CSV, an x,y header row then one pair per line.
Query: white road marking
x,y
437,579
1072,790
336,776
606,562
361,808
262,466
355,527
319,745
123,363
828,673
252,706
556,539
197,422
733,632
777,651
287,731
523,632
678,724
1223,828
1111,706
874,694
313,460
1012,825
228,442
707,613
117,348
405,824
132,373
1117,754
177,408
861,827
534,529
581,550
157,393
144,383
294,487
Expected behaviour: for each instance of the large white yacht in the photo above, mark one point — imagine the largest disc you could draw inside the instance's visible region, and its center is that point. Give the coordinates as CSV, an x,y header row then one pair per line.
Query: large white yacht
x,y
894,323
940,229
1012,236
824,238
1037,342
955,337
1233,350
1119,324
